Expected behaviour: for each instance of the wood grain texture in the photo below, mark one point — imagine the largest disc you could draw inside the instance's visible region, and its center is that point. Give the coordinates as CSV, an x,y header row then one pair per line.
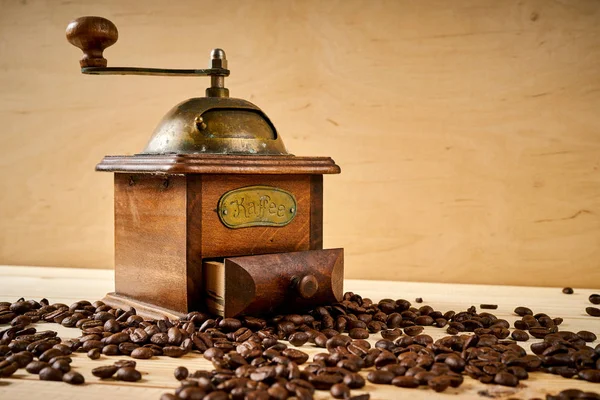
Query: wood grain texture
x,y
150,239
69,285
467,130
221,241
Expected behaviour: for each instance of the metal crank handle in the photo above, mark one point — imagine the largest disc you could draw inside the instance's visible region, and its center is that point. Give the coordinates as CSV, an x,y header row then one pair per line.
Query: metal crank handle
x,y
94,34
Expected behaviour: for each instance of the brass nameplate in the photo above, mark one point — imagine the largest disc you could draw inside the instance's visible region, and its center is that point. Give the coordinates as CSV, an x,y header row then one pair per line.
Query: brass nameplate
x,y
256,206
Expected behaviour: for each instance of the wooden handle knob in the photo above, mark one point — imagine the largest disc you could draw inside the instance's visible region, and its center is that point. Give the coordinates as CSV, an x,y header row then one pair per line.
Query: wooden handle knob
x,y
307,286
92,35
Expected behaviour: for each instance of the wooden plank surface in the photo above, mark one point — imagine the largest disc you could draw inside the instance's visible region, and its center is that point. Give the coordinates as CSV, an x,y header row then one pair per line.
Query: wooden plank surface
x,y
69,285
467,130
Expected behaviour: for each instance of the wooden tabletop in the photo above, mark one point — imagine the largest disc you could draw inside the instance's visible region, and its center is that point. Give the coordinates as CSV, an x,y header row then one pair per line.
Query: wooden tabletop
x,y
69,285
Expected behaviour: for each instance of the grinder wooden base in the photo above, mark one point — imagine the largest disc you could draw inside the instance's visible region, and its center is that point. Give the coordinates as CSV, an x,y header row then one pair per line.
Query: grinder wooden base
x,y
142,309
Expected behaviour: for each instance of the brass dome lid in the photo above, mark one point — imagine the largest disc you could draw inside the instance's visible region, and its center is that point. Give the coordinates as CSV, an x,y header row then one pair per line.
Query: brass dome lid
x,y
215,125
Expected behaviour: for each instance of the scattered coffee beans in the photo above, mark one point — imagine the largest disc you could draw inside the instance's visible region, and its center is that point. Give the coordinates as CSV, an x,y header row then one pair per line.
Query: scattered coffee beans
x,y
593,311
251,360
74,378
181,373
128,374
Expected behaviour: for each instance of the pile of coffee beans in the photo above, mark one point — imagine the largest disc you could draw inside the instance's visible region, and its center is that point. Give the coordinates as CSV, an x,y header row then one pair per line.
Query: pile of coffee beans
x,y
251,360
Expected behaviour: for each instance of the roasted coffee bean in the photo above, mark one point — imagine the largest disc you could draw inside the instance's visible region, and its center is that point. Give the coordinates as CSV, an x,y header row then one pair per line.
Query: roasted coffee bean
x,y
181,373
105,372
506,379
298,338
173,351
522,311
391,334
413,330
439,383
359,333
142,353
22,358
418,300
230,324
405,382
519,335
61,365
488,306
567,290
325,381
74,378
34,367
593,311
380,377
340,391
50,374
590,375
354,381
8,368
125,363
128,374
587,336
50,353
297,356
594,298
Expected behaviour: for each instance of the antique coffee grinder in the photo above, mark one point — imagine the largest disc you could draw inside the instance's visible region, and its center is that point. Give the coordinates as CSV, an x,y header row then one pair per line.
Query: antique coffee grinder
x,y
213,214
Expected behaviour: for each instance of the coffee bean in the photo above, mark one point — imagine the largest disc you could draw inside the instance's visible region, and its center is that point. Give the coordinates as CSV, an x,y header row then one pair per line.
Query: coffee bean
x,y
74,378
61,365
364,396
354,381
297,356
439,383
104,372
340,391
125,363
587,336
191,393
128,374
142,353
418,300
35,367
405,382
181,373
590,375
488,306
567,290
413,330
522,311
298,338
50,374
325,381
213,353
230,324
8,368
173,351
359,333
519,335
22,358
593,311
506,379
594,298
380,377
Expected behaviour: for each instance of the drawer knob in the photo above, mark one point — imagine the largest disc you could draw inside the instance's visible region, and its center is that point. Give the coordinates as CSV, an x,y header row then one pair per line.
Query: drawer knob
x,y
306,286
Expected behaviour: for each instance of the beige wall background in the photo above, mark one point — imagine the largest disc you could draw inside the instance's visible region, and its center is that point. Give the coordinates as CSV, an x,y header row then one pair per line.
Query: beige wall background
x,y
468,132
